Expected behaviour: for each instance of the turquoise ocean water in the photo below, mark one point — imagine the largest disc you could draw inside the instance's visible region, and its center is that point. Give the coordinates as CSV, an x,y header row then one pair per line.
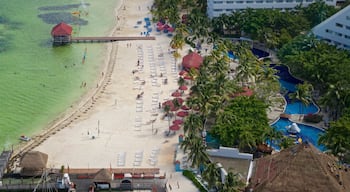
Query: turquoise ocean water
x,y
38,81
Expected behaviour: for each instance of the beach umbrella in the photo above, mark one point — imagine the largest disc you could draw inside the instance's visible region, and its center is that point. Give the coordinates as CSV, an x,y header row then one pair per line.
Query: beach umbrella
x,y
170,103
192,60
170,29
183,87
179,100
184,107
182,113
183,72
177,121
176,94
174,127
166,26
159,23
187,77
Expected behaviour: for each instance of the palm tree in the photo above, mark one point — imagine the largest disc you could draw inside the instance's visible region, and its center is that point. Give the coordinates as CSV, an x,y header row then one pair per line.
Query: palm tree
x,y
336,137
286,142
167,112
272,135
334,100
211,175
196,151
302,94
232,183
192,124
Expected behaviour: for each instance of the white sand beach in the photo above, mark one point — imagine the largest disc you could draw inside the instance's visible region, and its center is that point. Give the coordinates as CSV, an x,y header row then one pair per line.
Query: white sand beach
x,y
117,130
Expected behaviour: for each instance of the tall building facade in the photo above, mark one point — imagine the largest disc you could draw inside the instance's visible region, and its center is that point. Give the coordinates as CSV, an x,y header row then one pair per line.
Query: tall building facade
x,y
336,29
217,7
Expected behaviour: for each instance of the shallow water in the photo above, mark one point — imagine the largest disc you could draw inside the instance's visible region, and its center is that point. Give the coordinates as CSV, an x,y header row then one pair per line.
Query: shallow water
x,y
38,81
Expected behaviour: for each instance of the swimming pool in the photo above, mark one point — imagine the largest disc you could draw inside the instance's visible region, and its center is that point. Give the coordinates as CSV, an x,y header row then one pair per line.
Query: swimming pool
x,y
296,107
307,133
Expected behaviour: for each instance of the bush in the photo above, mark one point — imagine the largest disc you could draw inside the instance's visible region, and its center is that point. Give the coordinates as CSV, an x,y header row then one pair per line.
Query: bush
x,y
192,177
313,118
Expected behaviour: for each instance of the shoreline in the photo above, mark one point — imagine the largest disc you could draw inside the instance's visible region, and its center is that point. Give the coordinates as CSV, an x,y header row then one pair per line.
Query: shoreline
x,y
83,104
118,130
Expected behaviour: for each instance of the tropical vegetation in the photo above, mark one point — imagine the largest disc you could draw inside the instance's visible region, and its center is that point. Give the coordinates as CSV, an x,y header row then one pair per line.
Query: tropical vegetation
x,y
217,104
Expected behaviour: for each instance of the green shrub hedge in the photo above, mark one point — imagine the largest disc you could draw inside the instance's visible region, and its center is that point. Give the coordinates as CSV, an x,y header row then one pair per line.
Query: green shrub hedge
x,y
313,118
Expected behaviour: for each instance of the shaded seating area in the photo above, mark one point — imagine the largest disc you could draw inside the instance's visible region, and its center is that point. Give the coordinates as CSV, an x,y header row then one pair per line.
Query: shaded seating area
x,y
33,163
103,179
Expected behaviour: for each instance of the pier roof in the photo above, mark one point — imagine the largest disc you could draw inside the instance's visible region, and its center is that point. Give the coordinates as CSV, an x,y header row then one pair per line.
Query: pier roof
x,y
61,29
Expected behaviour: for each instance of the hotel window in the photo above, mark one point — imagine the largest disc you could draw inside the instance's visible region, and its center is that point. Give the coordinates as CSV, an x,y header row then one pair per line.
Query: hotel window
x,y
299,1
229,10
218,10
347,17
279,1
309,1
229,2
269,1
347,36
347,27
239,2
338,34
336,43
249,2
218,2
259,1
339,25
289,1
329,0
329,31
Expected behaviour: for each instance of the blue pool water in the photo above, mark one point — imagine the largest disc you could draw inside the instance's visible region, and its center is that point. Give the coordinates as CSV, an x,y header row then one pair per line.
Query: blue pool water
x,y
231,55
296,107
307,133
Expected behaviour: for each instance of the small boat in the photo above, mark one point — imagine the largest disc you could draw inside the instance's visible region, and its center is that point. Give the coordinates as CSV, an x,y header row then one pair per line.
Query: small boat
x,y
24,138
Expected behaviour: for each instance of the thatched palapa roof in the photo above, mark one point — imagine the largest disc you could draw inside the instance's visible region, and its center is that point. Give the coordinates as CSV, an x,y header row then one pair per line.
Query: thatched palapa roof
x,y
103,175
299,168
33,163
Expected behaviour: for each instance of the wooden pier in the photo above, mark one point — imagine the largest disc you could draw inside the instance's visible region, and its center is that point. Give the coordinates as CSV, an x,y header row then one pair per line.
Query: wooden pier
x,y
108,39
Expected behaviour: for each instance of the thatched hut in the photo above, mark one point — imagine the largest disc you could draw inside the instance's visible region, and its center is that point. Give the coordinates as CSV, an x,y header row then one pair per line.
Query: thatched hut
x,y
103,177
33,163
299,168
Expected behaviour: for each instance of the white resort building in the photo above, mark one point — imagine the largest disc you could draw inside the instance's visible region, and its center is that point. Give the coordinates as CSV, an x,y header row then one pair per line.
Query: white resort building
x,y
336,29
217,7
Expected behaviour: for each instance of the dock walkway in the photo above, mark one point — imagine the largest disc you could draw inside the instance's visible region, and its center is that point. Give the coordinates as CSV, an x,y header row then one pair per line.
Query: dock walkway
x,y
109,39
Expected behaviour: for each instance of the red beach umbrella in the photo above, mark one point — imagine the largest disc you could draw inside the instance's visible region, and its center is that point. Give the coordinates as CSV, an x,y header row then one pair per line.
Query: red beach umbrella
x,y
176,94
177,121
184,107
159,23
179,100
183,87
170,29
183,72
187,77
182,113
192,60
170,103
174,127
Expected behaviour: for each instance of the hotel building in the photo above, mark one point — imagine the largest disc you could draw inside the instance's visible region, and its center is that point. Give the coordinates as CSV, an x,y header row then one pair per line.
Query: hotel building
x,y
336,29
217,7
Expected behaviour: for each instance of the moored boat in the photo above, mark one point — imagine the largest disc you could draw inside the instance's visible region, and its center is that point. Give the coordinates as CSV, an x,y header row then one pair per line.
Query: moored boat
x,y
24,138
